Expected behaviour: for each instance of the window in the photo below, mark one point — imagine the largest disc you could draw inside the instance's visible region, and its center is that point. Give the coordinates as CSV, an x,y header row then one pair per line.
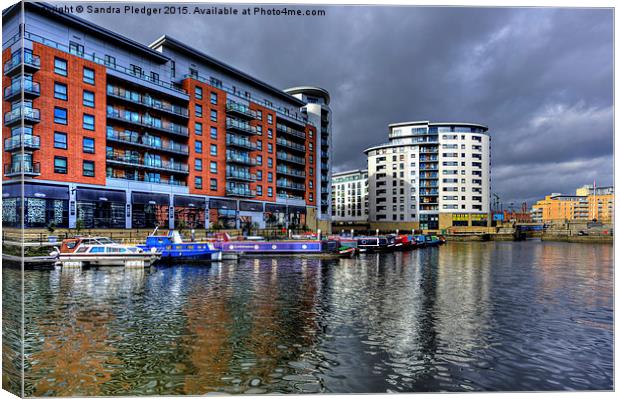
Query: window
x,y
198,146
60,140
259,160
269,148
269,133
213,132
110,61
60,66
88,99
173,69
193,72
259,190
60,115
198,128
270,162
213,167
88,122
270,191
60,165
214,98
198,182
215,82
76,48
154,77
198,93
198,164
269,177
60,91
89,76
213,184
213,149
259,130
213,115
88,168
259,175
269,119
198,111
88,145
311,197
259,145
136,70
259,115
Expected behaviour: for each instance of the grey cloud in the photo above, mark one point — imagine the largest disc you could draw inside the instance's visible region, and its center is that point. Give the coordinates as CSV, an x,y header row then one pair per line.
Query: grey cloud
x,y
540,78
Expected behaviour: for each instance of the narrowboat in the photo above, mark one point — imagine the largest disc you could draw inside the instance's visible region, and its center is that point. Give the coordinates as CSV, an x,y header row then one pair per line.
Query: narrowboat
x,y
420,241
173,248
432,241
374,244
102,251
408,242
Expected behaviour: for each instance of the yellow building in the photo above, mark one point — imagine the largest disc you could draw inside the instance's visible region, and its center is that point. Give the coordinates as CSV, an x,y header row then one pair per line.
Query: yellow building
x,y
587,204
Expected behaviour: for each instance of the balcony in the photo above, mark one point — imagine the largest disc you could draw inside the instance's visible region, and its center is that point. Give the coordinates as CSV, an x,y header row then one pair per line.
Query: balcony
x,y
428,192
282,156
28,87
32,63
147,122
147,101
283,183
166,166
26,169
287,196
25,141
238,126
239,158
145,179
239,142
291,172
240,110
289,144
147,142
290,131
240,192
14,117
240,175
324,154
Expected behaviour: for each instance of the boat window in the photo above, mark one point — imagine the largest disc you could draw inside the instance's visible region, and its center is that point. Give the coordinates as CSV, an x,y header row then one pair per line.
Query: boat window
x,y
179,247
82,249
168,246
190,247
97,249
71,244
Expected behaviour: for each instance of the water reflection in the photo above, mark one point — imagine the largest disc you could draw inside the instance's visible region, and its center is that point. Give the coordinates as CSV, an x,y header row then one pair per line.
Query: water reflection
x,y
467,316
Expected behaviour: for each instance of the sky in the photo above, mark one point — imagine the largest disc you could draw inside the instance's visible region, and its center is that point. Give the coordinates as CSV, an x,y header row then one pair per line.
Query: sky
x,y
540,78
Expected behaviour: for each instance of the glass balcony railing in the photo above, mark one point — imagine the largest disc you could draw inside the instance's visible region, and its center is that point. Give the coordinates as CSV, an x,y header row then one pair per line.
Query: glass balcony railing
x,y
148,163
291,172
283,156
241,142
235,191
31,62
282,183
243,175
145,179
293,132
30,169
26,141
244,127
232,156
240,110
146,142
285,195
291,145
151,123
29,114
147,101
28,87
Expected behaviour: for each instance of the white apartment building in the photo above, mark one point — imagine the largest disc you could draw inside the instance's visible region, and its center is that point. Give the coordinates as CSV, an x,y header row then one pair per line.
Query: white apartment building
x,y
431,176
350,197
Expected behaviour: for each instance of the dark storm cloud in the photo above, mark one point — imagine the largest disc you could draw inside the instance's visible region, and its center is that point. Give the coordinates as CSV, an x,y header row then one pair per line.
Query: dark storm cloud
x,y
540,78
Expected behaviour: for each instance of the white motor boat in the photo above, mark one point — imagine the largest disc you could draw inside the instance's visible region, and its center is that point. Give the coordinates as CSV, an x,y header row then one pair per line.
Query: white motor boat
x,y
102,251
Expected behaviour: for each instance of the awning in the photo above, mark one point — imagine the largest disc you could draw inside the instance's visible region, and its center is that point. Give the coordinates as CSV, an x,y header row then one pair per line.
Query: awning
x,y
150,199
32,190
250,206
276,208
190,202
215,203
91,194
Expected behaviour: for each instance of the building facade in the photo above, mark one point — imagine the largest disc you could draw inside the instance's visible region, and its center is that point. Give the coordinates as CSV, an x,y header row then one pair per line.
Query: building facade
x,y
108,133
430,176
350,197
588,204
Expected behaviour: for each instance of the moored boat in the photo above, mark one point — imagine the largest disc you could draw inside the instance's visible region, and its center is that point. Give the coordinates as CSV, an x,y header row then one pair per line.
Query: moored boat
x,y
102,251
173,248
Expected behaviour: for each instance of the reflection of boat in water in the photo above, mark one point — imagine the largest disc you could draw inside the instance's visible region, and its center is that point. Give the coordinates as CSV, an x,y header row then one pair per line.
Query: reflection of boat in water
x,y
173,248
102,251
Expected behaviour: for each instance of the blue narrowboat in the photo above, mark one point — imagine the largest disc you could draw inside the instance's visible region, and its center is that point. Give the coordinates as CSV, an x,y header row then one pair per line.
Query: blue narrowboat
x,y
173,248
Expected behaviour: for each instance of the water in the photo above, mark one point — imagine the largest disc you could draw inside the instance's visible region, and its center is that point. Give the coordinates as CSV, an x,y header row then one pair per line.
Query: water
x,y
463,317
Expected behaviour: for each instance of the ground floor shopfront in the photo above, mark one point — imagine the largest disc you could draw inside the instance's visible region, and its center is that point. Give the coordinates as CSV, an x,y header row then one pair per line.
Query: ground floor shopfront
x,y
72,206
